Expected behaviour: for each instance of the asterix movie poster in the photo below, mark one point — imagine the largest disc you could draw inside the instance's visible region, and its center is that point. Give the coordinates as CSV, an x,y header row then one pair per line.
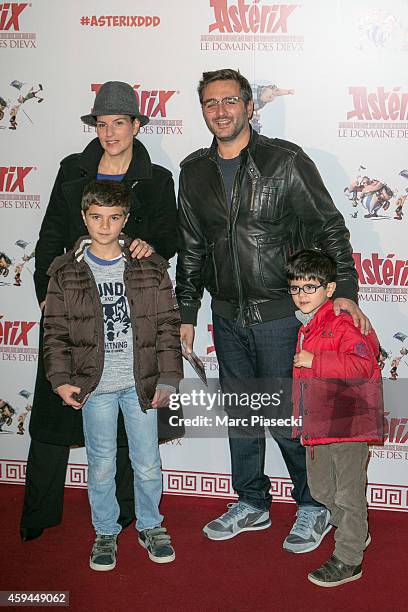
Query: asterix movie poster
x,y
329,76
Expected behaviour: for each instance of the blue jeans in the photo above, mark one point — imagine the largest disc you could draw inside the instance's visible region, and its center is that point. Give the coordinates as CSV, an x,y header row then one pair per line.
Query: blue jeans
x,y
100,419
265,352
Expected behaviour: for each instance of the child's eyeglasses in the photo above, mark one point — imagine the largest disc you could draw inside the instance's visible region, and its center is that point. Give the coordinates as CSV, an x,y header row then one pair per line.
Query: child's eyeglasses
x,y
309,289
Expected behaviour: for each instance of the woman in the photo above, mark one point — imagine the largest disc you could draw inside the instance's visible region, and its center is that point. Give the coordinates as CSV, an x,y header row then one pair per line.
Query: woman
x,y
115,155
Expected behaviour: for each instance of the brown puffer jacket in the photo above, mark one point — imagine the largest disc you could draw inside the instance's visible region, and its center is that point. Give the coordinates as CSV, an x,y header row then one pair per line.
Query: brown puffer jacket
x,y
74,326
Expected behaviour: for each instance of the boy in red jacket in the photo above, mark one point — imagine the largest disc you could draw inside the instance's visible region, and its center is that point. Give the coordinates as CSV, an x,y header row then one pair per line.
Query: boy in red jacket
x,y
337,394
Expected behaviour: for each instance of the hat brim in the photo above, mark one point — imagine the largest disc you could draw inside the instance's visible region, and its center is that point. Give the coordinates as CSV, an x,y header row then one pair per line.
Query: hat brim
x,y
91,119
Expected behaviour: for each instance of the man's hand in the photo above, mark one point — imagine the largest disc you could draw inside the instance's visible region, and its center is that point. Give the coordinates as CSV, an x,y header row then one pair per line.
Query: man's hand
x,y
139,249
303,359
65,392
161,398
359,318
187,333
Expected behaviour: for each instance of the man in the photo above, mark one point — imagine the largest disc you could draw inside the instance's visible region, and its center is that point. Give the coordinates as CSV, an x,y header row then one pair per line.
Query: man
x,y
245,204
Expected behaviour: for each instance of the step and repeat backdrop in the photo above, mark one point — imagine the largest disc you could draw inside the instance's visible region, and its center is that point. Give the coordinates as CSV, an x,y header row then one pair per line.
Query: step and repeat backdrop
x,y
330,76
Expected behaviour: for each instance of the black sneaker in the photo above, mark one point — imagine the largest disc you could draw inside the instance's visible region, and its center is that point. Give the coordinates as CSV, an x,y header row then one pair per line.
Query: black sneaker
x,y
158,544
334,573
103,555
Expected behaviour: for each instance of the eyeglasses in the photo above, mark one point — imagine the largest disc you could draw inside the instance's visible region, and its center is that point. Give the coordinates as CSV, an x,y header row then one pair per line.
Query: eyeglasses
x,y
212,103
309,289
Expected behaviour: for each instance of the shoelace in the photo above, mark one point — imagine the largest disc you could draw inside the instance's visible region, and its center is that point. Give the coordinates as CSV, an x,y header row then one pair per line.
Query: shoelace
x,y
304,522
233,510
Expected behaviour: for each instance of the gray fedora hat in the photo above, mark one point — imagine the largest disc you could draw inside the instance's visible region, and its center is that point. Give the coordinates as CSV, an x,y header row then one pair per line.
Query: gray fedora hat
x,y
115,98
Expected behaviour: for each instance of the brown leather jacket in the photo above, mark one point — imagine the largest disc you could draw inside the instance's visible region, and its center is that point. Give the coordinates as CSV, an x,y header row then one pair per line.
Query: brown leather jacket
x,y
74,327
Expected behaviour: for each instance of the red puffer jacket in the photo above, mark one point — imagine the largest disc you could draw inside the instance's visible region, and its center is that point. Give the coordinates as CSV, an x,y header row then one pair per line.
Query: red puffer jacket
x,y
340,397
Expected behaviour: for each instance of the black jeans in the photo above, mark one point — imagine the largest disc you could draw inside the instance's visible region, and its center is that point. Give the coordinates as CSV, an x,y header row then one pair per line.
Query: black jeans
x,y
264,352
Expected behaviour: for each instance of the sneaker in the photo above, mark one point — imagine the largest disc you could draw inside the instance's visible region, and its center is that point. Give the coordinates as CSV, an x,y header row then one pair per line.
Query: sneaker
x,y
103,555
238,518
158,544
309,529
334,573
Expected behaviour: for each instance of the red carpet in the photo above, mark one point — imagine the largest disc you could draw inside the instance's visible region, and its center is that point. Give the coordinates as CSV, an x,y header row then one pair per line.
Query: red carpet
x,y
248,573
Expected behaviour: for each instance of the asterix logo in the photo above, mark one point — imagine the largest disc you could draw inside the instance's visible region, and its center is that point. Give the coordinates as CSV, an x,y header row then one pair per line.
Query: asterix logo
x,y
15,333
382,279
376,113
395,429
12,178
10,31
155,104
151,102
10,15
13,188
255,17
15,338
246,26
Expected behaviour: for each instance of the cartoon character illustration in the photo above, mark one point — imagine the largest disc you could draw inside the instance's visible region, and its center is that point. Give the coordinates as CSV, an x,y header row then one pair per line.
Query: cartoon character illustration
x,y
400,205
16,105
117,319
397,360
21,418
262,95
3,106
6,414
19,268
382,357
377,27
372,194
394,367
5,263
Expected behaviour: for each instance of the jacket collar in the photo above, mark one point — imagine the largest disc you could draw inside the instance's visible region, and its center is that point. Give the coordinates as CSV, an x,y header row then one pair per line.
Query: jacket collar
x,y
83,243
140,166
317,318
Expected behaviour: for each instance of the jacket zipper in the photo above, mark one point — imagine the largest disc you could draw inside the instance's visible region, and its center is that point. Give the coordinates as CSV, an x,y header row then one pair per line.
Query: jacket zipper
x,y
99,310
136,361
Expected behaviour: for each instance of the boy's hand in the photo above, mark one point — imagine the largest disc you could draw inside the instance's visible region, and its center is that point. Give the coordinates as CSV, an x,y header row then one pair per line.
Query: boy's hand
x,y
161,398
304,359
359,318
139,249
65,392
187,333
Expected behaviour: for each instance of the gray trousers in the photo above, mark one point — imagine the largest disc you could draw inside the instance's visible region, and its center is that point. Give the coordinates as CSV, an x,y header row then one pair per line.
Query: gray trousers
x,y
337,476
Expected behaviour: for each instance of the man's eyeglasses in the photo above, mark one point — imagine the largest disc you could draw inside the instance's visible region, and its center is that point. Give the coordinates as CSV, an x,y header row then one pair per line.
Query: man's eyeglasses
x,y
309,289
212,103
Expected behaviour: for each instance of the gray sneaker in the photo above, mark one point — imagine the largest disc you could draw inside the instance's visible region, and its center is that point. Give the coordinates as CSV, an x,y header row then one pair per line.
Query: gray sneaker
x,y
103,555
309,529
238,518
158,544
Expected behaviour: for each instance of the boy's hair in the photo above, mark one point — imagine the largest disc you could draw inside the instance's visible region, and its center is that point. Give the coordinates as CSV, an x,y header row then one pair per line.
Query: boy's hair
x,y
309,264
106,193
226,74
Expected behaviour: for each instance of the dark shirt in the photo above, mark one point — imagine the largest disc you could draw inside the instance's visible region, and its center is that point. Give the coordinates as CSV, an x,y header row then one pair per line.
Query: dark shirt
x,y
228,169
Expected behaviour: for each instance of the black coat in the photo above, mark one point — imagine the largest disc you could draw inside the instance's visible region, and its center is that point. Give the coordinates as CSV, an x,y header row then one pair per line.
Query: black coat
x,y
279,205
152,218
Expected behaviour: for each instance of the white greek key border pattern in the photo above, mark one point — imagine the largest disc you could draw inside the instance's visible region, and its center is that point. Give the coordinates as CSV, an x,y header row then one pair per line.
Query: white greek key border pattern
x,y
203,484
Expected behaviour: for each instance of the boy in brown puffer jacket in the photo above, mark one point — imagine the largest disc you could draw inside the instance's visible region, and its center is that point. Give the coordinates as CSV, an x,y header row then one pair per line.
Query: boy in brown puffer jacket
x,y
112,340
